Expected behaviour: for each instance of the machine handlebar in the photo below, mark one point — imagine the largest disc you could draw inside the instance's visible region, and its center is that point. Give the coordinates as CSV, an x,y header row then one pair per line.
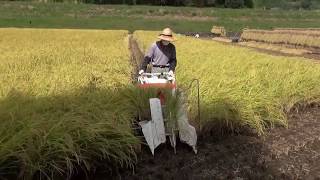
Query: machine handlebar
x,y
167,74
154,74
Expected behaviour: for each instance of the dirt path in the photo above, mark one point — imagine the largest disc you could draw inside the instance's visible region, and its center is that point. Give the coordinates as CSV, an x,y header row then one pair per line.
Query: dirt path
x,y
276,50
281,50
292,153
136,55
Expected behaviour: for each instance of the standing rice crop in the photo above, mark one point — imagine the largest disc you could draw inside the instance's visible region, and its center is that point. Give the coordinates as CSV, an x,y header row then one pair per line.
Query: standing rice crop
x,y
60,106
240,87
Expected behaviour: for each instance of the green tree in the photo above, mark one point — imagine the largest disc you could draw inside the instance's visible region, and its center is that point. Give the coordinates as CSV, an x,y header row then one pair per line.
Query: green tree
x,y
249,3
306,4
234,3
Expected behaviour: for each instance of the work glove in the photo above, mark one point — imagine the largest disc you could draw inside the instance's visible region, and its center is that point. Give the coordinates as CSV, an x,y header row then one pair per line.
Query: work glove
x,y
141,72
171,73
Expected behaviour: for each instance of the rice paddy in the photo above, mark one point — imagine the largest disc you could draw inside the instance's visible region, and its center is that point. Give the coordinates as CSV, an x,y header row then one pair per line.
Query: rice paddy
x,y
67,102
60,107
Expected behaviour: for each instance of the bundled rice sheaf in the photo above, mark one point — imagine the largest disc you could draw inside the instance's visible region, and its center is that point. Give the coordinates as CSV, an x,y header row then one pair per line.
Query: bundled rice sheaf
x,y
300,37
218,30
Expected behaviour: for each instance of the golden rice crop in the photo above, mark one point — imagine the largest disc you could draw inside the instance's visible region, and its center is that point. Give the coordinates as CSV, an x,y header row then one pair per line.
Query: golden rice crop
x,y
241,87
53,61
60,107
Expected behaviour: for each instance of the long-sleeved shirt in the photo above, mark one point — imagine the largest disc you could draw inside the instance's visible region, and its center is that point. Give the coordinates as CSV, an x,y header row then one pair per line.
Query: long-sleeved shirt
x,y
160,55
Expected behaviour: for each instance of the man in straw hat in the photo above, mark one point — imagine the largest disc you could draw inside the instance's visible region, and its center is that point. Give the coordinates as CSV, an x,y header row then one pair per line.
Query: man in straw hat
x,y
162,54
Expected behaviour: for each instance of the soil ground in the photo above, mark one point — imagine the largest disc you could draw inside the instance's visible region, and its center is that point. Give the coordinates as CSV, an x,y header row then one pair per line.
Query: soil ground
x,y
283,153
283,50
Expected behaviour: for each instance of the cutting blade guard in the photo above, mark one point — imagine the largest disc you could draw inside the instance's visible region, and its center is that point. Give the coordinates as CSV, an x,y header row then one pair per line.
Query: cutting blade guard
x,y
152,129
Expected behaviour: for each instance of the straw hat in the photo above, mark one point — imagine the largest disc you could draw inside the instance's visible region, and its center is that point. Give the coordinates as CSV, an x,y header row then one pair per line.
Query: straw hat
x,y
166,35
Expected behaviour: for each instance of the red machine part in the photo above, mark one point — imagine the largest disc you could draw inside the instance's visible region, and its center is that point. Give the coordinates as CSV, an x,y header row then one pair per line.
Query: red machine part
x,y
158,85
160,93
162,97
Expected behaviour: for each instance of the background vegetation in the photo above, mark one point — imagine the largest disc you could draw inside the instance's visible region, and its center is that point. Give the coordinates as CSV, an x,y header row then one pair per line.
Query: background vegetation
x,y
284,4
180,19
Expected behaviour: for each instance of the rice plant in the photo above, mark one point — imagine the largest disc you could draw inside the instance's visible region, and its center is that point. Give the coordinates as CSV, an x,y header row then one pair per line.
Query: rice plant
x,y
60,106
240,87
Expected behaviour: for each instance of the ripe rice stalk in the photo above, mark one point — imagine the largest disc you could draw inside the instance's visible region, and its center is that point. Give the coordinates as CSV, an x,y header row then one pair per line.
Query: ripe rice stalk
x,y
60,106
240,87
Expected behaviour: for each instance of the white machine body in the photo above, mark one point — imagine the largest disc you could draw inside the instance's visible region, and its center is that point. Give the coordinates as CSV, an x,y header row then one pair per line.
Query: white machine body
x,y
154,129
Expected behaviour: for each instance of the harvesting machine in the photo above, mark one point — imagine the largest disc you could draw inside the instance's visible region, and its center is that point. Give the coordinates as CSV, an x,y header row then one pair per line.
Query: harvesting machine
x,y
161,125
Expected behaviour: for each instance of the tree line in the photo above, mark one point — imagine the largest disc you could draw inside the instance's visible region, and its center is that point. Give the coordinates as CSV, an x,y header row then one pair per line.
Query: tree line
x,y
283,4
199,3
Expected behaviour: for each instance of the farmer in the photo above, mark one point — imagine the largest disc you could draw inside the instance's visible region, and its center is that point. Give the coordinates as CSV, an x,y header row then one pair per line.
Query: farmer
x,y
162,55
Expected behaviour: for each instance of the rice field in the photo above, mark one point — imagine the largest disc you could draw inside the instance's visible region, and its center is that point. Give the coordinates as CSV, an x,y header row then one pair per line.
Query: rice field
x,y
240,87
60,106
67,101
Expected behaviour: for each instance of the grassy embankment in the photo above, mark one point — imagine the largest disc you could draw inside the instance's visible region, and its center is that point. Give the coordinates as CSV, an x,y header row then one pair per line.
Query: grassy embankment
x,y
181,19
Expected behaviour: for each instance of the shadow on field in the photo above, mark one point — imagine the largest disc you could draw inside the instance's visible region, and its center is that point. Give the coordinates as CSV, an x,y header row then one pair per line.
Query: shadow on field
x,y
218,158
220,119
40,131
43,136
282,153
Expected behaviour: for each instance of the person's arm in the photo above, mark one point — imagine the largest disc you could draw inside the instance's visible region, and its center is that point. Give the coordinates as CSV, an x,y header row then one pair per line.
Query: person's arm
x,y
173,60
147,58
145,63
